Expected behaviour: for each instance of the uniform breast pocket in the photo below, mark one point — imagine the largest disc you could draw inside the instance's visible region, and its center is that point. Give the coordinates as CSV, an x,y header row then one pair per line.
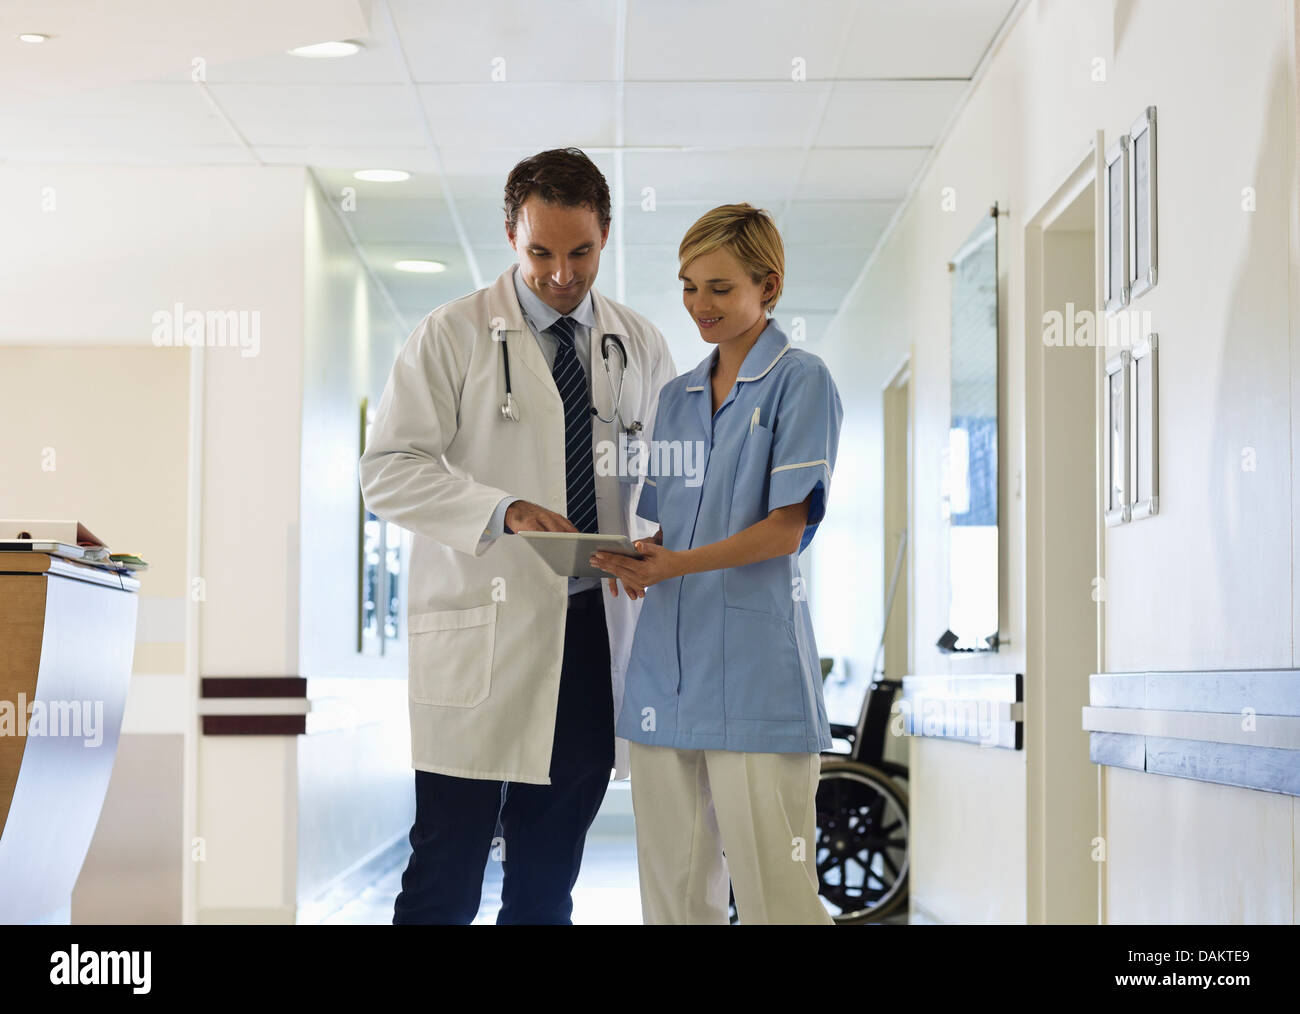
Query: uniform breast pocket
x,y
753,472
763,671
451,656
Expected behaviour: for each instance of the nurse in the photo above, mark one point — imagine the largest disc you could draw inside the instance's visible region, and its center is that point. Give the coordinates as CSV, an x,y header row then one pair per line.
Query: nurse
x,y
723,706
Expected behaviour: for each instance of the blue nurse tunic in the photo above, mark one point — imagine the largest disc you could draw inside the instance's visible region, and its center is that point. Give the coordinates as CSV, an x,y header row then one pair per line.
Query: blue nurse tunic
x,y
725,659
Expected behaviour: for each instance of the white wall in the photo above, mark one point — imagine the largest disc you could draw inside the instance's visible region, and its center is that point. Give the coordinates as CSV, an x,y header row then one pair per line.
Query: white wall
x,y
87,257
355,783
1219,75
66,453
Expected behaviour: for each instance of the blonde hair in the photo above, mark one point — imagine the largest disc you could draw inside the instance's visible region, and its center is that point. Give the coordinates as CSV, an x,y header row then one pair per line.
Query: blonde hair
x,y
748,233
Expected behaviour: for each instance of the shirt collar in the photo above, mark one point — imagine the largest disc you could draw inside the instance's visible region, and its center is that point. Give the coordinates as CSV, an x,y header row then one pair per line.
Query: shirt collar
x,y
762,356
541,316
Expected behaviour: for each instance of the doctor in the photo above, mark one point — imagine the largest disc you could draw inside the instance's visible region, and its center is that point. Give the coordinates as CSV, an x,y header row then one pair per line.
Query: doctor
x,y
516,674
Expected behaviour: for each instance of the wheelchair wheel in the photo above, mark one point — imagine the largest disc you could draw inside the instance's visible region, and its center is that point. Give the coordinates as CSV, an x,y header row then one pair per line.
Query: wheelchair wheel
x,y
863,848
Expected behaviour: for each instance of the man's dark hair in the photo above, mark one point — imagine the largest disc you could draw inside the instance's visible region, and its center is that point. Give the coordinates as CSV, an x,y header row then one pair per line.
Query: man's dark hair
x,y
564,176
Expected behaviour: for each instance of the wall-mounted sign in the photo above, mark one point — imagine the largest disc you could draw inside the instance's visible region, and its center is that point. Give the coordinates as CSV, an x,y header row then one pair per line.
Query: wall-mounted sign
x,y
1117,439
1142,142
1144,419
1116,226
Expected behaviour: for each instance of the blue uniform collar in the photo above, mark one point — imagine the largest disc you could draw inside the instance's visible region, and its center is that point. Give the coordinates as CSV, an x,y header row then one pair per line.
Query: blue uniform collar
x,y
542,316
770,347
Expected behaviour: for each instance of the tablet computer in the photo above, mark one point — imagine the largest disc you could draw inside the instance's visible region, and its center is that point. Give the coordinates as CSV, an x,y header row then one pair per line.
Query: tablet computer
x,y
567,553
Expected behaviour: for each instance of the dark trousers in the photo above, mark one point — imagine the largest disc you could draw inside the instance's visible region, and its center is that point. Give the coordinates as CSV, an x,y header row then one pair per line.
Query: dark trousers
x,y
543,827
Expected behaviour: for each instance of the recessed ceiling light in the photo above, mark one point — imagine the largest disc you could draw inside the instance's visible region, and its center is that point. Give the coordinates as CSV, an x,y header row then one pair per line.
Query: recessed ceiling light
x,y
32,37
326,49
423,267
382,175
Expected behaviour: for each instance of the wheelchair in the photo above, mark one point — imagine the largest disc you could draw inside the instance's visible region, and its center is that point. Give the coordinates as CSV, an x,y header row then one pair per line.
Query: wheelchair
x,y
862,851
863,848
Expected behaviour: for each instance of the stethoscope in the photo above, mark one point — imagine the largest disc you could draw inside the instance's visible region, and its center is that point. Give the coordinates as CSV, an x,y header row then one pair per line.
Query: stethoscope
x,y
511,414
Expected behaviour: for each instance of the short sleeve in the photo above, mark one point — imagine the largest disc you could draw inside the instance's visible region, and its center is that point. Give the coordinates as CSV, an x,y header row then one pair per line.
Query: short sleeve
x,y
648,506
805,438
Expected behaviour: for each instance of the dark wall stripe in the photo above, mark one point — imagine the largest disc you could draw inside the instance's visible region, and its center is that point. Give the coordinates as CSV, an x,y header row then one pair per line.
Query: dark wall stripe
x,y
253,686
254,725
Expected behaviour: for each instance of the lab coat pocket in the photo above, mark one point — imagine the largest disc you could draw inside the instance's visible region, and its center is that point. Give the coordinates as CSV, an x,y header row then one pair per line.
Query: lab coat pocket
x,y
753,472
762,669
451,656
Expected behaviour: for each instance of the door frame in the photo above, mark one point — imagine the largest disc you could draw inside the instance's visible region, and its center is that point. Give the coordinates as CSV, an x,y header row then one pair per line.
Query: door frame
x,y
1088,170
899,377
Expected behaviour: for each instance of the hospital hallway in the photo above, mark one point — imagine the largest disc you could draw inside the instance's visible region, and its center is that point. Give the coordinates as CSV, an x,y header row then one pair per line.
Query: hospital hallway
x,y
866,430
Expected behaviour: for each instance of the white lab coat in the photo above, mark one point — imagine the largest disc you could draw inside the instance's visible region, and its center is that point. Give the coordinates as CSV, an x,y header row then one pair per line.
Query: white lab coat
x,y
486,628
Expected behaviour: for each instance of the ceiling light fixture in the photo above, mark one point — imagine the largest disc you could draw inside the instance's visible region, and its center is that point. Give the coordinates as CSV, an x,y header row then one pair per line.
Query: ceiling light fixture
x,y
382,175
422,267
32,37
327,49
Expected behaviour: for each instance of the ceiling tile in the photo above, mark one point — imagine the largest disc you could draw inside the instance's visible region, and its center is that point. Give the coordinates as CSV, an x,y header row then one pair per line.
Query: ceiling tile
x,y
717,114
857,174
921,38
684,40
339,115
561,40
889,113
760,176
533,116
836,221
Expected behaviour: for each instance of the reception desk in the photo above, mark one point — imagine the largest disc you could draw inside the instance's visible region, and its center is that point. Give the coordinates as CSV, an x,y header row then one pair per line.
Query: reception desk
x,y
67,637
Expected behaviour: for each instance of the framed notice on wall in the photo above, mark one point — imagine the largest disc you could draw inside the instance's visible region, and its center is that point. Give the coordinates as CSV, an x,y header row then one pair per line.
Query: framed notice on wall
x,y
1116,226
1142,158
1116,471
1144,417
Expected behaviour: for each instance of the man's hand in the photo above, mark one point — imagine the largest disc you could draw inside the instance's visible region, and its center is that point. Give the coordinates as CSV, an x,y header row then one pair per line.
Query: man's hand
x,y
522,516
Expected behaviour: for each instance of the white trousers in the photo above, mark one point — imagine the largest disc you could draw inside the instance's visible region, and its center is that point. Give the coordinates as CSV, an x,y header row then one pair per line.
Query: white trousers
x,y
760,808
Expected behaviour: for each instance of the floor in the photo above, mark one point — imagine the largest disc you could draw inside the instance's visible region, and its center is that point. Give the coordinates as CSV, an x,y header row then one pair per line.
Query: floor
x,y
606,892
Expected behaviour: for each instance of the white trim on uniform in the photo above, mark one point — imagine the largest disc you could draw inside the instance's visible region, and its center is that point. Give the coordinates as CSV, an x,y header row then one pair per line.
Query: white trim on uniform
x,y
785,347
802,464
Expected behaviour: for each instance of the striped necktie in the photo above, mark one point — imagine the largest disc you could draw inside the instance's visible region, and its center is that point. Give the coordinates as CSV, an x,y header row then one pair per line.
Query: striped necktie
x,y
571,382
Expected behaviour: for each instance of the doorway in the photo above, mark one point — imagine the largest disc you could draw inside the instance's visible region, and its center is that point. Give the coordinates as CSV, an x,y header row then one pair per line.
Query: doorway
x,y
1062,327
897,645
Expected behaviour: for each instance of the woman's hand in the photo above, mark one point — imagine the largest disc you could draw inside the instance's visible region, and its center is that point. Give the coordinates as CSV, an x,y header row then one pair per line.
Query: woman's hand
x,y
658,564
634,591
